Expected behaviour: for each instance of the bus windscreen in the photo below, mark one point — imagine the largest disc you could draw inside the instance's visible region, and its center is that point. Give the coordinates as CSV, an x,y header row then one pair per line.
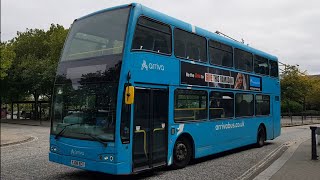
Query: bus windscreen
x,y
97,35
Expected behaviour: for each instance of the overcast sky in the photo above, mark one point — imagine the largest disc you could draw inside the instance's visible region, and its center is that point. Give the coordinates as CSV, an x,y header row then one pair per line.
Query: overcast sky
x,y
288,29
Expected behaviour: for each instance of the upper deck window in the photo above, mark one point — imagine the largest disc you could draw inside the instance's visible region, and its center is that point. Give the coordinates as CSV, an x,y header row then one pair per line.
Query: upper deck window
x,y
261,65
243,60
97,35
152,36
220,54
190,46
274,68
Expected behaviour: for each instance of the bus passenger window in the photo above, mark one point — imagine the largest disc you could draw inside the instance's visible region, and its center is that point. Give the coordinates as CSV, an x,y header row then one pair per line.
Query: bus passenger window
x,y
243,60
152,36
190,46
244,105
262,105
190,105
192,51
261,65
273,68
220,54
221,105
180,48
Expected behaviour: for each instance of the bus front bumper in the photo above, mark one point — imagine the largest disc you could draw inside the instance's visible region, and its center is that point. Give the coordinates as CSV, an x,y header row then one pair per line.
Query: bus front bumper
x,y
85,164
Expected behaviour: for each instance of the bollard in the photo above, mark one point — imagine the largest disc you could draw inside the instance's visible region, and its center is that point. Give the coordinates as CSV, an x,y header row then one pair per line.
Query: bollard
x,y
314,155
318,135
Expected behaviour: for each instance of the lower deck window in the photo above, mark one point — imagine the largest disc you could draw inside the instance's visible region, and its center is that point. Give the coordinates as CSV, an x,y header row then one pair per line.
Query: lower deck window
x,y
221,105
190,105
244,105
262,105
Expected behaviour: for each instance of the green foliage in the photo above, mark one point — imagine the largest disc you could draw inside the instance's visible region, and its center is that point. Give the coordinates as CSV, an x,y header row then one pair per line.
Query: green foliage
x,y
7,55
293,106
36,55
299,91
313,98
294,84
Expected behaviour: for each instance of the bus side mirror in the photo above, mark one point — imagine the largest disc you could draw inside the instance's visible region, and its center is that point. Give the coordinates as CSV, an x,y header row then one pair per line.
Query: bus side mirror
x,y
129,95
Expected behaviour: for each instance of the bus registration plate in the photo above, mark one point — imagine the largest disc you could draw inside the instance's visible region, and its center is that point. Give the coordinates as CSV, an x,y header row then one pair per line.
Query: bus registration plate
x,y
78,163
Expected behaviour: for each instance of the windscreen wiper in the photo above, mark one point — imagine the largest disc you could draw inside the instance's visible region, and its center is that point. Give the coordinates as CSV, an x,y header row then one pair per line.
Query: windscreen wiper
x,y
95,138
64,128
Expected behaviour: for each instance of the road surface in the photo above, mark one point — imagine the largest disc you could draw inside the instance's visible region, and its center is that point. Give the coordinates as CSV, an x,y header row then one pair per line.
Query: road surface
x,y
30,160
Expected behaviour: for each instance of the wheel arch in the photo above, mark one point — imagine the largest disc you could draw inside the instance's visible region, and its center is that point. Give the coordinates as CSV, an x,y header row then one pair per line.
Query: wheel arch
x,y
262,125
190,139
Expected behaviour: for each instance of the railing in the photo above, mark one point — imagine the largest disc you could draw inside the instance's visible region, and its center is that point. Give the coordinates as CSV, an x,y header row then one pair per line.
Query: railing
x,y
294,119
192,113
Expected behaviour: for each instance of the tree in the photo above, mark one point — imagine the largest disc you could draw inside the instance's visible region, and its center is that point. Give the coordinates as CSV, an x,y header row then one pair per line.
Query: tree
x,y
7,55
313,97
37,55
33,65
295,86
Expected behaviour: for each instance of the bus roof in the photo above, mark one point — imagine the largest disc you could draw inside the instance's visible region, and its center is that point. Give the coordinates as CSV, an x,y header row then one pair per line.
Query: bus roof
x,y
106,9
143,10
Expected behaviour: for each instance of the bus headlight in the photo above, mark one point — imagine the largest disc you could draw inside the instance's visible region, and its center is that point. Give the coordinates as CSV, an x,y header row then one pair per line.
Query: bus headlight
x,y
106,157
53,149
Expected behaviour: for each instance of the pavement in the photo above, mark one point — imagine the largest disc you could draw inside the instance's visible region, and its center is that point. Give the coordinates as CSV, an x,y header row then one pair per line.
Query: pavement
x,y
12,137
294,163
9,137
29,122
300,160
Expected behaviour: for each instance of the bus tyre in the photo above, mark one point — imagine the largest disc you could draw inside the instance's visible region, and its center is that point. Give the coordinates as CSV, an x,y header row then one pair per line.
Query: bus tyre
x,y
261,138
181,153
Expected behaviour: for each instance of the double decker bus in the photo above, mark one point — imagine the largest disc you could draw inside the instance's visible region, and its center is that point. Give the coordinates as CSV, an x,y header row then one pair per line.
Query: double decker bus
x,y
136,89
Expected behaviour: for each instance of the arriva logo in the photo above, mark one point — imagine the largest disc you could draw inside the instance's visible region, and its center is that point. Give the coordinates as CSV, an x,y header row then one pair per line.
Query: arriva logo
x,y
144,65
151,66
75,152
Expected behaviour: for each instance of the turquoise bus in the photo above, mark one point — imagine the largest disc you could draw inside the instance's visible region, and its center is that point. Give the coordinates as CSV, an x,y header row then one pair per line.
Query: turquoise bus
x,y
136,89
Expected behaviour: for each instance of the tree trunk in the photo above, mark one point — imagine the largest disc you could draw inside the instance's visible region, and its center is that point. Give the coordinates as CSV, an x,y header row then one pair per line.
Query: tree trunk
x,y
11,109
0,107
36,97
304,107
18,111
50,107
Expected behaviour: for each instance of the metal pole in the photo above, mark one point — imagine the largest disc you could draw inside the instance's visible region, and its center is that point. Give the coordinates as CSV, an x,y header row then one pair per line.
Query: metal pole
x,y
40,114
11,110
6,111
18,111
32,112
314,155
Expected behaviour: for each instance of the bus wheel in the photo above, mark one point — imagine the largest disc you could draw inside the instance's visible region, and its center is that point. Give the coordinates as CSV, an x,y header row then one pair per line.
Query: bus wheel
x,y
261,138
181,153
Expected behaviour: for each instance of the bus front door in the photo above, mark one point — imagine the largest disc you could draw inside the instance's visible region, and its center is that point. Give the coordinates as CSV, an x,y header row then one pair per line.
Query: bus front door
x,y
150,128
